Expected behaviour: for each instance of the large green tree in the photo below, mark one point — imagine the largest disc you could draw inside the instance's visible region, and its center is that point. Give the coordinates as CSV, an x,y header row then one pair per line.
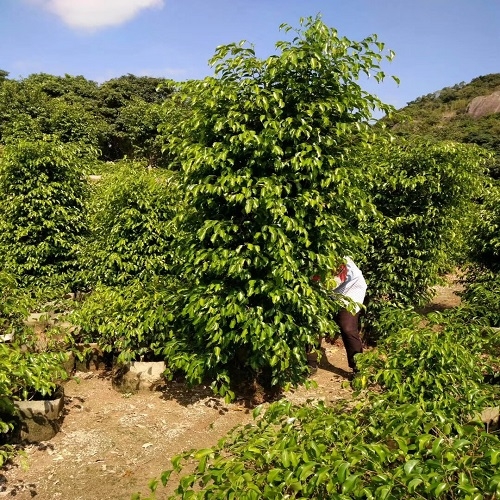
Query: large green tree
x,y
41,105
264,155
127,104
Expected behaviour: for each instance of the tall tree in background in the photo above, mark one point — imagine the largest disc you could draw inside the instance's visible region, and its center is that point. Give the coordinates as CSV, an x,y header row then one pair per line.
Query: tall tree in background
x,y
45,105
127,105
120,117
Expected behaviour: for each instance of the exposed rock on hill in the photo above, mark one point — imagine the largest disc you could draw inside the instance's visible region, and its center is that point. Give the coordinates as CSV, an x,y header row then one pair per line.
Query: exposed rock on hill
x,y
484,105
465,112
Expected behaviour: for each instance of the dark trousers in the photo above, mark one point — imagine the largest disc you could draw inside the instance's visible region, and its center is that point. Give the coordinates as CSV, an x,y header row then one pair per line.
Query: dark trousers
x,y
349,329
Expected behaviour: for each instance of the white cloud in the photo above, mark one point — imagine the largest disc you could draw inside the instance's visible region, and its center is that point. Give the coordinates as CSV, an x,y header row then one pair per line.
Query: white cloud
x,y
93,14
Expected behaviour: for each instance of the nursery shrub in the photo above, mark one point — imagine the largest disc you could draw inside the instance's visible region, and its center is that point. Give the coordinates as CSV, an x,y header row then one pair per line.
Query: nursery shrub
x,y
42,210
265,171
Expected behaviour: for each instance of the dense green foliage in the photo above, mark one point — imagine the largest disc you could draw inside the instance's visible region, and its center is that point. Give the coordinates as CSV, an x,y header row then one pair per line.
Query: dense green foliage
x,y
131,321
485,245
482,291
264,168
119,117
272,171
23,367
14,305
483,279
461,230
482,294
23,372
42,105
414,431
443,115
127,261
42,208
128,107
423,193
131,213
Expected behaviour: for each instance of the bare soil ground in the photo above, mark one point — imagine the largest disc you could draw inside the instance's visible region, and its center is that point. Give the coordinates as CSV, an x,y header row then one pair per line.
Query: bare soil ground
x,y
111,444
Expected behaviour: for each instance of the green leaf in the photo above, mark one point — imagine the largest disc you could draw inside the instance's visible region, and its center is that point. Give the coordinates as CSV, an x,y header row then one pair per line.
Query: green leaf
x,y
306,470
349,484
412,485
202,453
176,463
153,485
410,465
274,475
165,476
285,458
383,492
437,446
256,411
342,471
440,488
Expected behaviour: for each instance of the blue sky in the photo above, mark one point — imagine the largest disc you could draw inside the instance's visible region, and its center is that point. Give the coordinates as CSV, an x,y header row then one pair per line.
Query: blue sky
x,y
438,43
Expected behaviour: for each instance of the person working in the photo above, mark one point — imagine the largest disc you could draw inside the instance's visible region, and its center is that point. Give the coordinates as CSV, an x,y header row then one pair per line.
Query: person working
x,y
352,285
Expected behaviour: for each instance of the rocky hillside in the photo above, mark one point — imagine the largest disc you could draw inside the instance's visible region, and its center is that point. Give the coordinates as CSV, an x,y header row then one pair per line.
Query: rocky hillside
x,y
484,105
466,112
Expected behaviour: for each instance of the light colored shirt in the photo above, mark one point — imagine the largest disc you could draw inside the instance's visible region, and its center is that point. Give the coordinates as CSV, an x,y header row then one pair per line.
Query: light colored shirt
x,y
354,285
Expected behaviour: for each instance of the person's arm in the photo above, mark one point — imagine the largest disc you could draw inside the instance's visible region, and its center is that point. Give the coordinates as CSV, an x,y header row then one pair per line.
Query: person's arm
x,y
340,275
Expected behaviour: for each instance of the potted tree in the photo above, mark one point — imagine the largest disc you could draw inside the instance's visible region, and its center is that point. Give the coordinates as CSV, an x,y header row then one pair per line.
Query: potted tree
x,y
32,381
41,401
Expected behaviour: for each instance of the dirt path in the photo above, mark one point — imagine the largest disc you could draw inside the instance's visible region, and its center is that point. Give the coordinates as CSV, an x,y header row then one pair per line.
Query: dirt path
x,y
111,444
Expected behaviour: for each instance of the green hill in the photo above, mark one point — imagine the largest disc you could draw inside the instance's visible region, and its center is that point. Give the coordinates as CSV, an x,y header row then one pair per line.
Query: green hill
x,y
453,113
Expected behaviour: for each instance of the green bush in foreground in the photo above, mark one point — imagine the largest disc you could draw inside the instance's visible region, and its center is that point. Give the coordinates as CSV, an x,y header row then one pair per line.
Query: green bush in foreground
x,y
21,374
131,320
325,452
